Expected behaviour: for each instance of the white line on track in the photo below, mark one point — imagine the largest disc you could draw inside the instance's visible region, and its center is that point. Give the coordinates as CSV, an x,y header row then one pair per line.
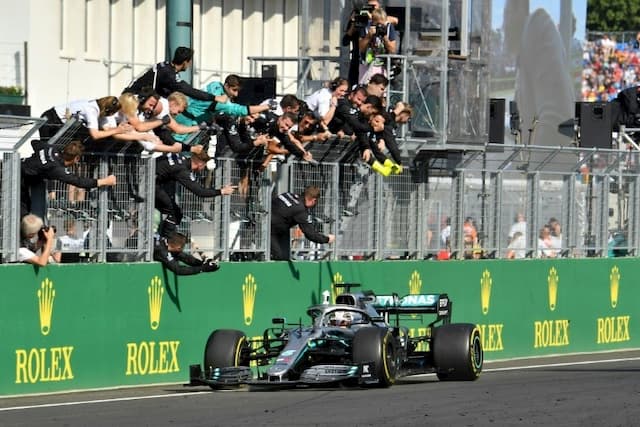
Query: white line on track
x,y
546,365
161,396
91,402
555,365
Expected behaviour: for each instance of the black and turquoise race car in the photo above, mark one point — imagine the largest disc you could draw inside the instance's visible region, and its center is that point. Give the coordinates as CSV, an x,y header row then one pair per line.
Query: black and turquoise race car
x,y
358,341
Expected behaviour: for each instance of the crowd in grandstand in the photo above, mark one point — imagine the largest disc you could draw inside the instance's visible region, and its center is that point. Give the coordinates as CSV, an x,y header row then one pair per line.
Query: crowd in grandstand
x,y
609,67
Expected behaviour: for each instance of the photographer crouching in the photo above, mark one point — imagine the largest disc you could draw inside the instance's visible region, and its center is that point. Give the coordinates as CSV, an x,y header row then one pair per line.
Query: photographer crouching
x,y
37,242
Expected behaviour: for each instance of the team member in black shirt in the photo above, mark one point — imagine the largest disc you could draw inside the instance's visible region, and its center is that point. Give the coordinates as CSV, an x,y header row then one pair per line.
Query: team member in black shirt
x,y
174,168
47,162
165,79
288,210
169,251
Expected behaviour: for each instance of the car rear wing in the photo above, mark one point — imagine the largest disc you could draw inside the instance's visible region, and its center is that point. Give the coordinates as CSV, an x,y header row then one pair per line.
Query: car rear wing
x,y
439,304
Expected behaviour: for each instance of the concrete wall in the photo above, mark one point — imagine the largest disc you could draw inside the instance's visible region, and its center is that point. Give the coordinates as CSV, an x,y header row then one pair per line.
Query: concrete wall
x,y
81,49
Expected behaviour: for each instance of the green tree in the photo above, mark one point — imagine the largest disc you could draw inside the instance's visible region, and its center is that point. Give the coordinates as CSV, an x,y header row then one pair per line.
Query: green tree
x,y
613,15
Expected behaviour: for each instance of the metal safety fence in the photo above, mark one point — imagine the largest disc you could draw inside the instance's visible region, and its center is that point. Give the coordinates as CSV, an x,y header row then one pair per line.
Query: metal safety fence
x,y
14,132
113,224
502,201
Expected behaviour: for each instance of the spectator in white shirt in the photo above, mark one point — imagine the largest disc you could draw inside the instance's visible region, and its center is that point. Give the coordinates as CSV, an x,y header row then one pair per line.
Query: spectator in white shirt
x,y
324,101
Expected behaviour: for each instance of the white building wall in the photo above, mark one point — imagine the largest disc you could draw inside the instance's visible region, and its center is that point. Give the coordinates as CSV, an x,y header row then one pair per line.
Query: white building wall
x,y
291,46
207,41
92,48
15,32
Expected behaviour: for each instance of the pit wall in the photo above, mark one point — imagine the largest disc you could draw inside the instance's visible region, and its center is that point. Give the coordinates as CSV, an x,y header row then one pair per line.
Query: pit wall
x,y
74,327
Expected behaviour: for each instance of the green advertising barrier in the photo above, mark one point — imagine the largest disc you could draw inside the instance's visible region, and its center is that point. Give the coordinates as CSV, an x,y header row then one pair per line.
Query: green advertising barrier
x,y
74,327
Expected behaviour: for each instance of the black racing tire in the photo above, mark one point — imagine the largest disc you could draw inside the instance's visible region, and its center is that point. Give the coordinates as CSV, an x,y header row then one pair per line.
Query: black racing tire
x,y
457,352
377,345
225,348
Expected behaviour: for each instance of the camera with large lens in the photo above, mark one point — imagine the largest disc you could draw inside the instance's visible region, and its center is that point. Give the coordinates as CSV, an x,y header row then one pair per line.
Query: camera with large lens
x,y
381,30
43,230
361,16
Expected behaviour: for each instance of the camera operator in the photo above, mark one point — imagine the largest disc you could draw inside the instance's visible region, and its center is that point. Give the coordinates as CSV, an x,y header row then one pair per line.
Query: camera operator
x,y
358,19
377,38
36,242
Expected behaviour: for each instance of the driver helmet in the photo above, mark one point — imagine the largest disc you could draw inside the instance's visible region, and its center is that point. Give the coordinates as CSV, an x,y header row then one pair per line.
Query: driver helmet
x,y
341,318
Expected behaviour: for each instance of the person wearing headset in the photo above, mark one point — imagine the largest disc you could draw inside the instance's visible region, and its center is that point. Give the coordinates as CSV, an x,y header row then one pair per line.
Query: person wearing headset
x,y
324,101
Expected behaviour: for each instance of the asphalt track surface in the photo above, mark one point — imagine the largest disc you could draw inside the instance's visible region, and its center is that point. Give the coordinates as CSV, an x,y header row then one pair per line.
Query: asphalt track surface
x,y
582,390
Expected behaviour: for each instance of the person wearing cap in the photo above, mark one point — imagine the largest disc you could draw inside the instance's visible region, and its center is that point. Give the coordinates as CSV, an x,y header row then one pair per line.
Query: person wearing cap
x,y
36,241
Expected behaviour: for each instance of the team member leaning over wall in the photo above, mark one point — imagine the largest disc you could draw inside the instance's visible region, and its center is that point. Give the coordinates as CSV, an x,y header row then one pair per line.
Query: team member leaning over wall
x,y
49,163
169,251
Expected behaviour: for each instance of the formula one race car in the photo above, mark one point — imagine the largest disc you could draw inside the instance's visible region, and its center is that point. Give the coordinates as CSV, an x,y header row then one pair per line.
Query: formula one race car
x,y
357,341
